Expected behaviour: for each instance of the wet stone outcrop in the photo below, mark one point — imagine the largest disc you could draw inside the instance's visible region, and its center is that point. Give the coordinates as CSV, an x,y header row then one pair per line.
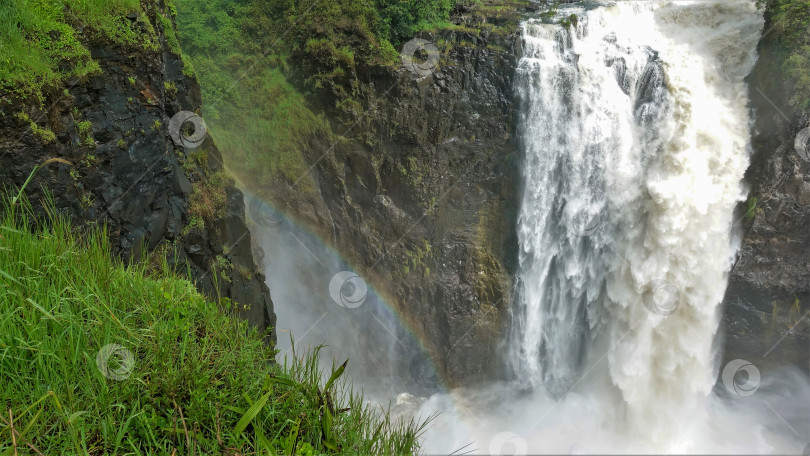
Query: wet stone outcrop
x,y
769,289
127,174
424,206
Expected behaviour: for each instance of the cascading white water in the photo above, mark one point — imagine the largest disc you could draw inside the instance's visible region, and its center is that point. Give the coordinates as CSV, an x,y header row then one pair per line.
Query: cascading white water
x,y
636,138
635,133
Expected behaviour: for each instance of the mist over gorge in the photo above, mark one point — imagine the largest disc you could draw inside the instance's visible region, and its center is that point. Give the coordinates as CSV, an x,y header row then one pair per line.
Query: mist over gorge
x,y
630,206
530,227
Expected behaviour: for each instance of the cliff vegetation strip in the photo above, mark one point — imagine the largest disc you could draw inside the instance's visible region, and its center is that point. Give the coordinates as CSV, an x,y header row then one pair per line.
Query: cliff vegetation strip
x,y
270,71
43,42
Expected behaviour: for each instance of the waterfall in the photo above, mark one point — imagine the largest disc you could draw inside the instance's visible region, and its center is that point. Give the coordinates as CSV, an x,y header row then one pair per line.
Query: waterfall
x,y
635,132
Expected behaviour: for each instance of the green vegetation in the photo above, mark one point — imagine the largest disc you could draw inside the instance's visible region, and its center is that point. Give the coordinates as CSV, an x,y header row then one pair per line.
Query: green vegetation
x,y
752,208
417,259
790,20
43,47
170,87
85,129
571,20
44,134
195,222
403,19
259,120
266,68
208,196
198,381
89,160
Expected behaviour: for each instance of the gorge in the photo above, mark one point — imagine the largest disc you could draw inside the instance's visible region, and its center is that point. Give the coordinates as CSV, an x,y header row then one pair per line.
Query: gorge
x,y
545,227
634,142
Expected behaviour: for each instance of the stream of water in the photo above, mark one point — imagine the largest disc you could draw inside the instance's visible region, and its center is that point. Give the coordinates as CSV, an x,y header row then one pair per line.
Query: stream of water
x,y
635,135
635,131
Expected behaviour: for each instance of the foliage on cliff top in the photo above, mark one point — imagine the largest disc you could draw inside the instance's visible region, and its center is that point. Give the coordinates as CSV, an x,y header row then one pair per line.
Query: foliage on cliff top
x,y
259,120
42,42
790,20
247,52
200,382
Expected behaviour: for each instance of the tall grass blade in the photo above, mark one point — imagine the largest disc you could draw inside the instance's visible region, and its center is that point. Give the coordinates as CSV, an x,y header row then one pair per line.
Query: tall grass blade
x,y
251,413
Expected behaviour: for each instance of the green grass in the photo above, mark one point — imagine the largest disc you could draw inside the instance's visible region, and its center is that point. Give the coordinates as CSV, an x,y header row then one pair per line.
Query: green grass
x,y
752,208
201,381
41,46
262,126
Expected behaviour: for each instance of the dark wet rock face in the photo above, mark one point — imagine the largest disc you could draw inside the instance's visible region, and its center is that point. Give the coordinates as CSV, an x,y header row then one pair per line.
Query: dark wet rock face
x,y
425,207
769,289
128,174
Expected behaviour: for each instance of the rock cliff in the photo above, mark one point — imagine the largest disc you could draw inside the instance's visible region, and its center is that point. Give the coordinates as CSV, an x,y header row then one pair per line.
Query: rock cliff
x,y
769,290
422,198
128,174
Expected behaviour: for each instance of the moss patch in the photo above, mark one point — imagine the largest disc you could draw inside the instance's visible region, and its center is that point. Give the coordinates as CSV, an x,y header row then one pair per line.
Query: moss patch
x,y
44,41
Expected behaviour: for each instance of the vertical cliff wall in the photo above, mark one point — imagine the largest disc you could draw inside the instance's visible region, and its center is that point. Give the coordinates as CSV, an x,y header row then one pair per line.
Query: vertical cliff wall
x,y
769,290
418,187
127,173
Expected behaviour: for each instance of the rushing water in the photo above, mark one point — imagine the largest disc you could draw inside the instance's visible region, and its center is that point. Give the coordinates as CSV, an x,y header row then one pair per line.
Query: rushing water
x,y
635,132
635,135
636,142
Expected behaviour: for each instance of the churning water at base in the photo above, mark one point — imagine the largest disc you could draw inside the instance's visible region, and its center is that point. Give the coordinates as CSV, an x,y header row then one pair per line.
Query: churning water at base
x,y
635,144
635,133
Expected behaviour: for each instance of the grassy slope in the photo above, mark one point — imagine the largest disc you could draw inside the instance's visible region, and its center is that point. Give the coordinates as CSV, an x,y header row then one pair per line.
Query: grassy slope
x,y
196,370
41,46
259,120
